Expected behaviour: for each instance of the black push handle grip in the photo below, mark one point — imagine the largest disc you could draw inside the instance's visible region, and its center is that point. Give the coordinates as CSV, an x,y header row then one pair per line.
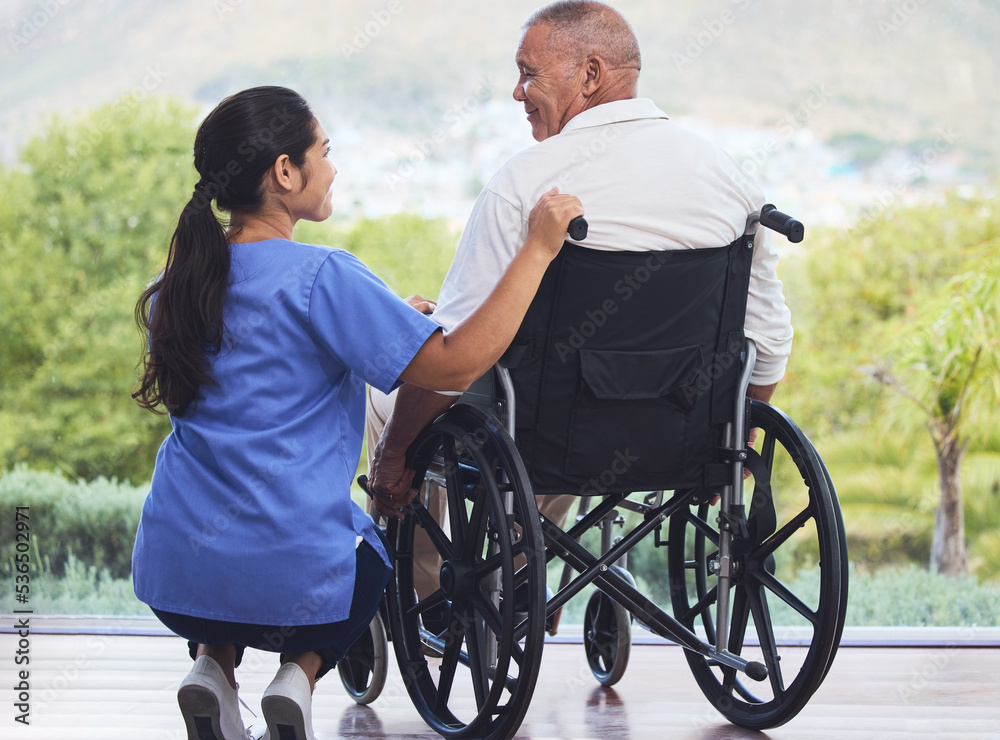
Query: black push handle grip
x,y
775,220
578,229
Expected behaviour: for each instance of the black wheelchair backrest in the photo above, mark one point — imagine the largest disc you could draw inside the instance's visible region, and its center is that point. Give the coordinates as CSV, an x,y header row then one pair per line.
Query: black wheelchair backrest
x,y
627,364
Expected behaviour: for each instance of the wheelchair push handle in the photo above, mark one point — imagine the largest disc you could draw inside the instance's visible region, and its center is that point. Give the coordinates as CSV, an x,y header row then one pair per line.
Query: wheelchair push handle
x,y
577,229
775,220
363,485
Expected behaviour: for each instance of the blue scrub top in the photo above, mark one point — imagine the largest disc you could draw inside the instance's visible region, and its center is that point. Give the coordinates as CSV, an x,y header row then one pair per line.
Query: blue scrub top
x,y
249,518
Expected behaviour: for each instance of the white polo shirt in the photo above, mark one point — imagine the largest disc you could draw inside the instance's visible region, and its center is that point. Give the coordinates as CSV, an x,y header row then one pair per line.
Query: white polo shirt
x,y
645,184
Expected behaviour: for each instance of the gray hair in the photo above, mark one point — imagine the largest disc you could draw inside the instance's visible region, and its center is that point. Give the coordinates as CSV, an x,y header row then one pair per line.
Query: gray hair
x,y
585,27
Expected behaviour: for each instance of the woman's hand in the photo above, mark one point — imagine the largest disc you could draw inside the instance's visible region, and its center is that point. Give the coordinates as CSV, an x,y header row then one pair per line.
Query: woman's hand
x,y
549,219
424,305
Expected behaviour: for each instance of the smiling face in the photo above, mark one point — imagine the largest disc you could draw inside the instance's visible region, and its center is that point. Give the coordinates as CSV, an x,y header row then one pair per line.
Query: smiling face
x,y
549,85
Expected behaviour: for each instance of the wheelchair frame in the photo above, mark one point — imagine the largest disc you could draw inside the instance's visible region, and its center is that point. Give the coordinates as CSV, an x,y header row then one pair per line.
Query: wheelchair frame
x,y
503,639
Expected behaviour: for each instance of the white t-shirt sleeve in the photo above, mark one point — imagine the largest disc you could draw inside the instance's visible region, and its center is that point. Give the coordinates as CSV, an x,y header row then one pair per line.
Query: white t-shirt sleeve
x,y
495,232
768,320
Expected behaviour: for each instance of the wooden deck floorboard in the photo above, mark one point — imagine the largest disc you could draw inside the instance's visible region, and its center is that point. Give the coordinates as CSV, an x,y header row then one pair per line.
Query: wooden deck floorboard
x,y
123,687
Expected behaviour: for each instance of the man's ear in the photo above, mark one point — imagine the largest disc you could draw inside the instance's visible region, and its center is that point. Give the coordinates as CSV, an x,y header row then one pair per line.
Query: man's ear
x,y
595,71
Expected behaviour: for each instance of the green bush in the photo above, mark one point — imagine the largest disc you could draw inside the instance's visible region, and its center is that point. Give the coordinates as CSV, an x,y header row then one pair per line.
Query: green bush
x,y
93,522
82,590
915,597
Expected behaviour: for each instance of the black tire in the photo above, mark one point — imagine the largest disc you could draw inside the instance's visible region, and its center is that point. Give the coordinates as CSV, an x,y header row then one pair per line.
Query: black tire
x,y
845,570
607,638
366,663
795,537
448,675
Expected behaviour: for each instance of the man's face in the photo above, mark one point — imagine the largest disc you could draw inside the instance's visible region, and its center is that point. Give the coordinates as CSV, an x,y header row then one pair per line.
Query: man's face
x,y
550,99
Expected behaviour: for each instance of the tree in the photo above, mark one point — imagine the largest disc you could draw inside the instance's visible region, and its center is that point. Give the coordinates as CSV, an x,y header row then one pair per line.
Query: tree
x,y
947,365
85,217
854,293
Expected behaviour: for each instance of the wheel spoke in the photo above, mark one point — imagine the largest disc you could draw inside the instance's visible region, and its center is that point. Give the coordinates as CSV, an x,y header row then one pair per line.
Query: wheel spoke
x,y
437,536
517,654
435,598
488,612
477,526
456,512
768,645
494,562
763,518
359,672
783,535
782,592
738,627
704,528
477,661
767,450
450,660
701,607
738,621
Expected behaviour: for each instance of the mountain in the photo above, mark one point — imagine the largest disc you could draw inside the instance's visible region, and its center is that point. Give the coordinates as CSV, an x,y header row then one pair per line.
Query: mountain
x,y
887,84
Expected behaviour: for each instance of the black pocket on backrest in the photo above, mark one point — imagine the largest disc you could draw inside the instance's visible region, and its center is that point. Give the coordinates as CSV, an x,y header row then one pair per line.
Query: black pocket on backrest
x,y
629,376
630,414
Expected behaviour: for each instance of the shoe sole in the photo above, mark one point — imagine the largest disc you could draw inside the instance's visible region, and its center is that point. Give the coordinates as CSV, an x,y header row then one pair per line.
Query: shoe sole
x,y
200,710
284,718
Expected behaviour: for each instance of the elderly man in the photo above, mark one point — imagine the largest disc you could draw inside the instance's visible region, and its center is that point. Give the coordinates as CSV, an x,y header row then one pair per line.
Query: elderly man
x,y
646,184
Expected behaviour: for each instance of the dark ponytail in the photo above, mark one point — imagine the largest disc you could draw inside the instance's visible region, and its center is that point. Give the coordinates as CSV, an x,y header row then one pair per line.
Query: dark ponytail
x,y
181,312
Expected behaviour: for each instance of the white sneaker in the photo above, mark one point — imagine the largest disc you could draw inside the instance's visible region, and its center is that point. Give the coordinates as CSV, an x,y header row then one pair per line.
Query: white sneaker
x,y
287,705
209,705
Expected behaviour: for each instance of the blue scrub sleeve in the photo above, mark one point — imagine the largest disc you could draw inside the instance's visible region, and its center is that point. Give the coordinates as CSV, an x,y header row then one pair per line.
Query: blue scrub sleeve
x,y
368,327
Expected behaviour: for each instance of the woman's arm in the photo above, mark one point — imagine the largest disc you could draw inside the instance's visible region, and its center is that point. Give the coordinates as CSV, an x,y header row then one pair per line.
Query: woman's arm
x,y
451,362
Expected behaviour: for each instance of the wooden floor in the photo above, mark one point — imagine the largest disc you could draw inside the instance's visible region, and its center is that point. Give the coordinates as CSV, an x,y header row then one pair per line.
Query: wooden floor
x,y
122,687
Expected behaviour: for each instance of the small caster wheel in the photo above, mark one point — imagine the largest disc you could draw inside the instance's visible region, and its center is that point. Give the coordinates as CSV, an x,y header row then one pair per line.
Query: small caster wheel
x,y
365,665
607,638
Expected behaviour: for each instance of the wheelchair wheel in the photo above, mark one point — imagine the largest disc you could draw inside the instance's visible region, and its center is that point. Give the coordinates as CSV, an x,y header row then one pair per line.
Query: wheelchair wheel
x,y
365,664
475,677
607,638
789,579
844,574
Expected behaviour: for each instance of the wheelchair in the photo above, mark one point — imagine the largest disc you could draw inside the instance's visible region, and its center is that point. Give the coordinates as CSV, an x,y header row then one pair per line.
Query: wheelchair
x,y
657,438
